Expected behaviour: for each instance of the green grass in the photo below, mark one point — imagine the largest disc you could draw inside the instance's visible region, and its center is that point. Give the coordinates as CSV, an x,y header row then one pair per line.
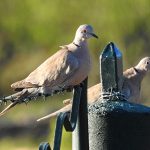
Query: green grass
x,y
18,144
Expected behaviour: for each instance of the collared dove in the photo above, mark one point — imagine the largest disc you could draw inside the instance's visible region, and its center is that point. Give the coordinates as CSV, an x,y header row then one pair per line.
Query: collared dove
x,y
131,87
63,70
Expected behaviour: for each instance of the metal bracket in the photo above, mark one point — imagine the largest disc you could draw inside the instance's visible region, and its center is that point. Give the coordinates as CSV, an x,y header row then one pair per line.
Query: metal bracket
x,y
67,119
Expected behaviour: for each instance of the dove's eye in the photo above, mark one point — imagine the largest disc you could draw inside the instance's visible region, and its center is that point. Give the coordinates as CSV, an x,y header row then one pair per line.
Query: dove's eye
x,y
84,31
147,62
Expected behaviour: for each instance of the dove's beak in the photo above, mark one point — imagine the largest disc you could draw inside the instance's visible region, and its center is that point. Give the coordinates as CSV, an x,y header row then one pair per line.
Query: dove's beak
x,y
94,35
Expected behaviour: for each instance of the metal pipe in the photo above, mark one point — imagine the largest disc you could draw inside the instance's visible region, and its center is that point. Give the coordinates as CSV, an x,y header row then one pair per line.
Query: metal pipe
x,y
80,137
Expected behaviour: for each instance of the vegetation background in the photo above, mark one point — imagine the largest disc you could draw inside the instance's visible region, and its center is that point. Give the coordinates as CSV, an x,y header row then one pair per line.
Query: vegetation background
x,y
32,30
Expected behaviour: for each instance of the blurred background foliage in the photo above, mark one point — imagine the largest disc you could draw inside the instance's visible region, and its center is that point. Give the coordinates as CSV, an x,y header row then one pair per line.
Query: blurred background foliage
x,y
32,30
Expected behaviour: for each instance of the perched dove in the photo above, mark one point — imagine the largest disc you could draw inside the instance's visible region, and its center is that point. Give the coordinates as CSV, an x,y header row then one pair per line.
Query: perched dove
x,y
131,87
63,70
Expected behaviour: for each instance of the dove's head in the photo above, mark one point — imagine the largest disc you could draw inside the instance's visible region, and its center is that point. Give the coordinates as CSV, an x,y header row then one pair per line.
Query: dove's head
x,y
144,64
84,32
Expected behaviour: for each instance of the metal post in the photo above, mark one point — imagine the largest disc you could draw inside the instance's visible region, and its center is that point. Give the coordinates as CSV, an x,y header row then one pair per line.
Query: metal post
x,y
114,123
66,120
111,69
80,138
69,121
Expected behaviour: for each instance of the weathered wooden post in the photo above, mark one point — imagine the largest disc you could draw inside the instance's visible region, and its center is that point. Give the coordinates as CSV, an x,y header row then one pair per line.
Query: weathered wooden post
x,y
114,123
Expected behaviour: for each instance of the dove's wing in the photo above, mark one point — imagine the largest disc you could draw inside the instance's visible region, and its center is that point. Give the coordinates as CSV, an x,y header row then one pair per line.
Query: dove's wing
x,y
54,71
131,85
94,93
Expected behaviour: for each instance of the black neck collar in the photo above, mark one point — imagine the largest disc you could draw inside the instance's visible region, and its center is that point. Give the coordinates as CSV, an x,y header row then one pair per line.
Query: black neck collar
x,y
76,45
135,70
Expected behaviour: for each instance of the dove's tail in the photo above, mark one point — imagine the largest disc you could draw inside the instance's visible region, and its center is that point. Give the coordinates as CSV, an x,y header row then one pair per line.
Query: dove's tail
x,y
67,108
23,96
8,107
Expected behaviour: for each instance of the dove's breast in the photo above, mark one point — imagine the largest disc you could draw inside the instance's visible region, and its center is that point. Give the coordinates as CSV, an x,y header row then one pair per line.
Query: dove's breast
x,y
84,67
